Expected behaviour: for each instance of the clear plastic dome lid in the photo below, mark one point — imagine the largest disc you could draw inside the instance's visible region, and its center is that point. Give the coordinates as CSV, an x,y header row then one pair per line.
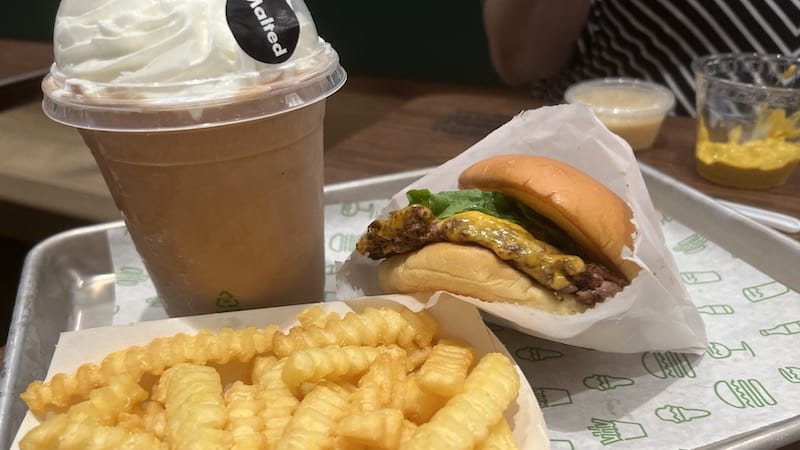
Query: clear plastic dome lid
x,y
134,65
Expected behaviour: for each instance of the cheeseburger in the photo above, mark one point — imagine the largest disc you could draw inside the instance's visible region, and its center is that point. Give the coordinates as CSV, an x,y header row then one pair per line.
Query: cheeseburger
x,y
522,229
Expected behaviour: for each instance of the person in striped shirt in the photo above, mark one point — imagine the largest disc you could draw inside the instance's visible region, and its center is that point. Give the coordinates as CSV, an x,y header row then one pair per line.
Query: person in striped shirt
x,y
555,43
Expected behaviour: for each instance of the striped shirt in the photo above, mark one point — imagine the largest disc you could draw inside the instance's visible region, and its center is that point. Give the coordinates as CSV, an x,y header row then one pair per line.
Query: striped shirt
x,y
657,40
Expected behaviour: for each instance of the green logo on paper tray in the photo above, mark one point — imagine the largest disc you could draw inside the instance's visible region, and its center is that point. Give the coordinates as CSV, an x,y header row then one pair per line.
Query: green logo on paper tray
x,y
691,244
537,354
358,208
226,301
606,382
787,328
701,277
742,394
680,414
130,276
668,365
613,431
791,374
153,302
721,351
330,269
561,444
551,397
715,310
343,242
764,291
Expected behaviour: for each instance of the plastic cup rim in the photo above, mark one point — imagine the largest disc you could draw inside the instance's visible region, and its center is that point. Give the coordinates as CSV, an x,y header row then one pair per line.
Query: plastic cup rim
x,y
666,103
317,79
698,65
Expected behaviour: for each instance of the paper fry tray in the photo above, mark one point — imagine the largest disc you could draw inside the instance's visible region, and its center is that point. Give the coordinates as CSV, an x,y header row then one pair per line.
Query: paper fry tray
x,y
67,284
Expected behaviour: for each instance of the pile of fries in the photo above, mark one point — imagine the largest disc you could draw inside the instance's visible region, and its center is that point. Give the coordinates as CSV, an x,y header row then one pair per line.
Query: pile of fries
x,y
379,379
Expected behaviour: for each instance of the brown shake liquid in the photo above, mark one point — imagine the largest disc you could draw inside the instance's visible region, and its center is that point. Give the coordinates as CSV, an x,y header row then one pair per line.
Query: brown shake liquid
x,y
226,217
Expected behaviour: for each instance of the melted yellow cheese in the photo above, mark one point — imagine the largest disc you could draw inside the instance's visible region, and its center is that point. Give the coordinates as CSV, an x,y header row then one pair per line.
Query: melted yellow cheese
x,y
510,242
765,160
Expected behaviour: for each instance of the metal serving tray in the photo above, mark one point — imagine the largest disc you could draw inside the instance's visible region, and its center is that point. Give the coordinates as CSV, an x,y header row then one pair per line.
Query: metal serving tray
x,y
67,284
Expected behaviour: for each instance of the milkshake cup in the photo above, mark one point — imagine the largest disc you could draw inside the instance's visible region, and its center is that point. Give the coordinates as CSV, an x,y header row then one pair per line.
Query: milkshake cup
x,y
205,118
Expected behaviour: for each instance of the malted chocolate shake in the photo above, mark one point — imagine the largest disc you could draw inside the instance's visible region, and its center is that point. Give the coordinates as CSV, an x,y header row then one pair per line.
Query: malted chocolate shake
x,y
205,118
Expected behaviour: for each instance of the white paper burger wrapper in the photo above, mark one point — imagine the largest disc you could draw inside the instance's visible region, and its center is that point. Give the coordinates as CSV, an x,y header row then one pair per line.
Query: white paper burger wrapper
x,y
456,321
653,313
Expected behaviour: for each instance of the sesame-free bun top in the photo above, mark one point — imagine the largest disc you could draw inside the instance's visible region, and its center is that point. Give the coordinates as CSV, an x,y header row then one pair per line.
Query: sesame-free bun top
x,y
592,215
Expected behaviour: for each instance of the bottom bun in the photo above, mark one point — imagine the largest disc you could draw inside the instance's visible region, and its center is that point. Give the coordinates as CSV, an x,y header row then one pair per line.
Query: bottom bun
x,y
471,271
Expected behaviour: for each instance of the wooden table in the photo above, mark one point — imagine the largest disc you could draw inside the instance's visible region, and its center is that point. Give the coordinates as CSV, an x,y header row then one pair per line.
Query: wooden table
x,y
430,130
47,166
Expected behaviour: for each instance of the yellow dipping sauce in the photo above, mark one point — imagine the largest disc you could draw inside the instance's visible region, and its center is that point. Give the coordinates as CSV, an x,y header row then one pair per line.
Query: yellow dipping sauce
x,y
631,109
764,161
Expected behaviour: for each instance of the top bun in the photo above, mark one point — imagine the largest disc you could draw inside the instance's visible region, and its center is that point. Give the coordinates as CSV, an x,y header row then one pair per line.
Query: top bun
x,y
596,218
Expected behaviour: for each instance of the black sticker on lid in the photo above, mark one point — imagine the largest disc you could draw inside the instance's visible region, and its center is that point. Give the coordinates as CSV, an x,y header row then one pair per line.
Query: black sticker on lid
x,y
267,30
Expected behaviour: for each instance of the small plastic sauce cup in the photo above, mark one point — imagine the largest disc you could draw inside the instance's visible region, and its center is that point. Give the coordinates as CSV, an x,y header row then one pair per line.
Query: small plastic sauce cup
x,y
632,109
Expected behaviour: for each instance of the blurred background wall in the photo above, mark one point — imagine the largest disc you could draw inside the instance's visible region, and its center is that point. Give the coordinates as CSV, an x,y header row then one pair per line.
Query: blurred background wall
x,y
439,40
31,20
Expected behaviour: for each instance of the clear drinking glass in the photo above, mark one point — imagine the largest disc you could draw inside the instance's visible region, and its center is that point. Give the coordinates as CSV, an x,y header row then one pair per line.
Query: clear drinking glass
x,y
748,116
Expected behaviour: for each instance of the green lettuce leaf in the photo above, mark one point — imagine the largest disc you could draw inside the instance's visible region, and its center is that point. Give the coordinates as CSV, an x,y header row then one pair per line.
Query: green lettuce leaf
x,y
448,203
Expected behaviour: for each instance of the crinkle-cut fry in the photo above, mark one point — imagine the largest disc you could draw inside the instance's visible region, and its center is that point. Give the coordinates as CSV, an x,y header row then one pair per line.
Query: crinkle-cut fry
x,y
279,402
372,327
154,358
305,388
148,417
46,434
314,420
315,364
425,326
417,356
409,428
102,408
417,405
467,417
106,403
39,396
379,429
315,316
500,438
342,443
445,370
244,405
242,345
378,386
131,422
154,418
348,330
194,407
262,366
89,435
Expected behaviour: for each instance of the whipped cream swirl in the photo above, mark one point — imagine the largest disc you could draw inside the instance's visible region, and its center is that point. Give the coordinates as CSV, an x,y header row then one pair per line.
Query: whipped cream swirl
x,y
102,44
